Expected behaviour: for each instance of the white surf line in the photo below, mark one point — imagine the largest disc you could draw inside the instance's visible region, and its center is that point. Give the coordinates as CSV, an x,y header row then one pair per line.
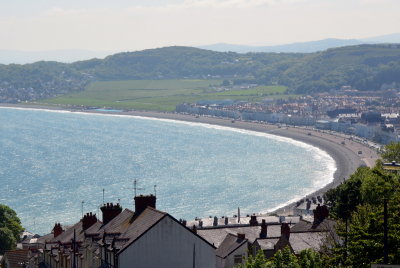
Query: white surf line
x,y
331,167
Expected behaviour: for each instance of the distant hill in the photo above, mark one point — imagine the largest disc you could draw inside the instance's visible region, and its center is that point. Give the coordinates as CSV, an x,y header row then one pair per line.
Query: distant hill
x,y
388,38
72,55
304,47
366,67
180,62
65,55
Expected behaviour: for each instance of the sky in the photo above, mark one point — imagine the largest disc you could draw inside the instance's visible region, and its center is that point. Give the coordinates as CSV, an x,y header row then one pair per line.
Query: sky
x,y
129,25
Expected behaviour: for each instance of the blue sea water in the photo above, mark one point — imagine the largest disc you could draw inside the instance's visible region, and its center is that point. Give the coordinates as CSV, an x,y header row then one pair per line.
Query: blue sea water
x,y
51,162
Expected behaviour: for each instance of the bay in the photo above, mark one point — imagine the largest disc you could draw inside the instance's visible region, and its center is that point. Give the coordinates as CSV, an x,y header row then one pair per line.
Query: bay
x,y
52,163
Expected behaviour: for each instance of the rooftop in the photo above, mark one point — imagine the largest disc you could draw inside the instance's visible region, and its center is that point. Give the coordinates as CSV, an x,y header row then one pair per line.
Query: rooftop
x,y
229,244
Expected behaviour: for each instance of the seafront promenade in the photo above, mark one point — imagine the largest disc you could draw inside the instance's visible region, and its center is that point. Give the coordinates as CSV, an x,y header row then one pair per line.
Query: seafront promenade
x,y
347,153
344,150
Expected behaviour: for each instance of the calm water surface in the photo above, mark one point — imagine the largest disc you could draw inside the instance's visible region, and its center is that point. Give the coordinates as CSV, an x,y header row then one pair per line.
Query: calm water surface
x,y
51,162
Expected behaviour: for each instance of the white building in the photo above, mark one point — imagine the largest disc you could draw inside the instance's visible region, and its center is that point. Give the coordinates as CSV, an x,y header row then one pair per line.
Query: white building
x,y
232,251
164,243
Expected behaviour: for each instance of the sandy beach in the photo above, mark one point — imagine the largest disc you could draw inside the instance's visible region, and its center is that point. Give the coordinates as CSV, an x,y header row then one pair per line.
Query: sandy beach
x,y
348,154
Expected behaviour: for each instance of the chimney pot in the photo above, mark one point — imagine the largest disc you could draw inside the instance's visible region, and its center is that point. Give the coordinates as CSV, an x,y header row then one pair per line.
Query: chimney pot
x,y
253,220
215,223
88,220
110,212
144,201
264,226
285,230
320,213
241,236
57,230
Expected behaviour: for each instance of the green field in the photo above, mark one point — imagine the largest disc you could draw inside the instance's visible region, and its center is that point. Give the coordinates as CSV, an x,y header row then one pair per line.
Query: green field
x,y
161,95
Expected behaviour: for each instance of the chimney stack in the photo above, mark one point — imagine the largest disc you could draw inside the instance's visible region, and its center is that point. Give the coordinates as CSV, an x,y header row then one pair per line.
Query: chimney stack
x,y
110,211
215,223
241,237
263,233
285,230
320,213
144,201
253,221
57,230
88,220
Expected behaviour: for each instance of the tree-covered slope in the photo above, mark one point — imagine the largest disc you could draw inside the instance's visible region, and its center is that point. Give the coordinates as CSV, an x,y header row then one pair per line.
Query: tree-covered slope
x,y
39,80
366,67
180,62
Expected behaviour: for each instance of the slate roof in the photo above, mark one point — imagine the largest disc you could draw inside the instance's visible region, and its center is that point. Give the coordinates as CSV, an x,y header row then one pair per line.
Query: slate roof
x,y
68,234
120,223
208,222
301,241
44,238
327,225
37,240
145,221
229,245
94,229
16,257
117,225
267,243
215,236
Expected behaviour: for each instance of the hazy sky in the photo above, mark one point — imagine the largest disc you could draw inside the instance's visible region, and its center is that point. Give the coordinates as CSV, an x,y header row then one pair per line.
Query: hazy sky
x,y
122,25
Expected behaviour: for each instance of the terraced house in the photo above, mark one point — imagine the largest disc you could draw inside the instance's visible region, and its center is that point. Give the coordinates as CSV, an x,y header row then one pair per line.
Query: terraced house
x,y
145,237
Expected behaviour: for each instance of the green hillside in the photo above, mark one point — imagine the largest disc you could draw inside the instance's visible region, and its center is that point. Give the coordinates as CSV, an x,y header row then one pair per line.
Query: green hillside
x,y
365,67
160,95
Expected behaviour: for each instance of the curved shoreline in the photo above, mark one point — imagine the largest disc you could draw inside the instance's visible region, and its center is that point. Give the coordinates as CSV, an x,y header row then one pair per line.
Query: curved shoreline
x,y
345,155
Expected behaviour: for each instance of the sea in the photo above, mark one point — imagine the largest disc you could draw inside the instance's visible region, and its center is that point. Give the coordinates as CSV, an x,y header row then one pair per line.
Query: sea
x,y
57,165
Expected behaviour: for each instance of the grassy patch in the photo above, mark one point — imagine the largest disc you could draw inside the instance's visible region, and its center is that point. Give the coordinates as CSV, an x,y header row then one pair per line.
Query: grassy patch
x,y
161,95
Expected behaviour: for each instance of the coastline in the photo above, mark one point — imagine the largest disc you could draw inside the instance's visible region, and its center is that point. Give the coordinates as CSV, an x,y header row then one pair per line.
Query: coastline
x,y
346,156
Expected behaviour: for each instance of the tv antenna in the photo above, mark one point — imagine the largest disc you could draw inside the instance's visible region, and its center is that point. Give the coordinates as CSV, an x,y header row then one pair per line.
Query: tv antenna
x,y
135,187
82,207
155,190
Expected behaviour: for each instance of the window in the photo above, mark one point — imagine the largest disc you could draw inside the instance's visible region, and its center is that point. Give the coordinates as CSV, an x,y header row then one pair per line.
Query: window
x,y
237,259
